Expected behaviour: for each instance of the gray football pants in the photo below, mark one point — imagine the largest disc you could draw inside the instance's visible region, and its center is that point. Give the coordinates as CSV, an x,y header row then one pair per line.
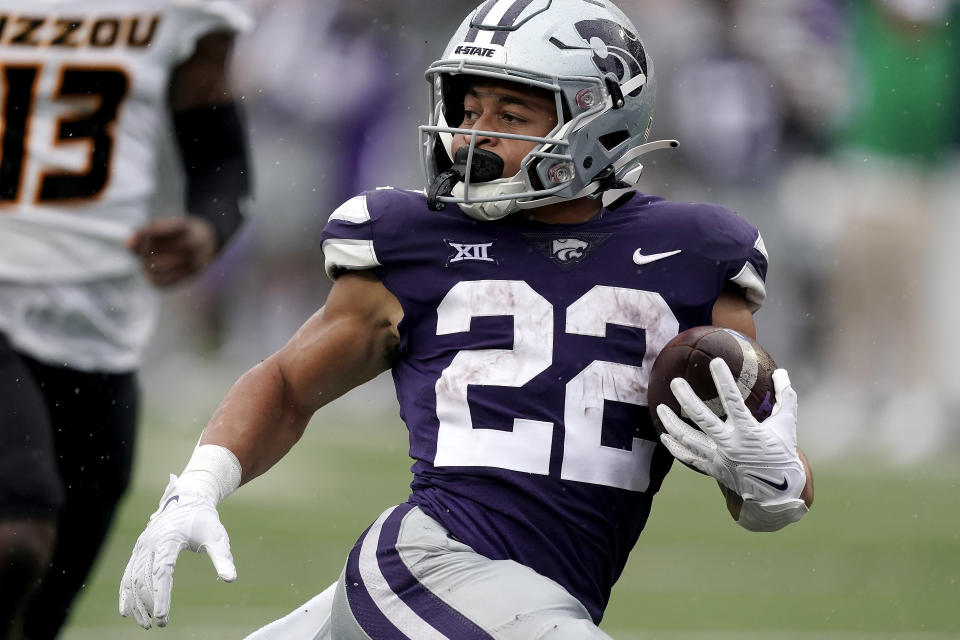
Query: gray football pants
x,y
407,579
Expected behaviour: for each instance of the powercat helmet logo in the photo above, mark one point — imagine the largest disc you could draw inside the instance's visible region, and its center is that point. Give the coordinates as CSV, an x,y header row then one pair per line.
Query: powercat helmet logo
x,y
615,50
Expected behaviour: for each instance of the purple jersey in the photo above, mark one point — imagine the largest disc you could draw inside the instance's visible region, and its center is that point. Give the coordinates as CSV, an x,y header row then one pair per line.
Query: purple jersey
x,y
525,351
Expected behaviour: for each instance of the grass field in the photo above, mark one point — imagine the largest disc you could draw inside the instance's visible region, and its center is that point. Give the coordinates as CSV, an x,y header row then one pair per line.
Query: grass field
x,y
877,558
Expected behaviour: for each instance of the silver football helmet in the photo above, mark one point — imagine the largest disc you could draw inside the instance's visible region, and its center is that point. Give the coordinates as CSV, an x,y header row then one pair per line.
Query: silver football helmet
x,y
588,53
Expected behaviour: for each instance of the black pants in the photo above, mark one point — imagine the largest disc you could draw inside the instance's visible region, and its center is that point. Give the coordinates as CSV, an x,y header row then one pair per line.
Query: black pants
x,y
66,450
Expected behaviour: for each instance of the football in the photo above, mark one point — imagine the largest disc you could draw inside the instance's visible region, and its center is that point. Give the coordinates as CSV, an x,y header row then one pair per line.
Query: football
x,y
688,356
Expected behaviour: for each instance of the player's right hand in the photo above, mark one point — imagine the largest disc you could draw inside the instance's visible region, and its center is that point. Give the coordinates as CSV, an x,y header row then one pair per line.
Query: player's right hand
x,y
757,460
173,249
186,518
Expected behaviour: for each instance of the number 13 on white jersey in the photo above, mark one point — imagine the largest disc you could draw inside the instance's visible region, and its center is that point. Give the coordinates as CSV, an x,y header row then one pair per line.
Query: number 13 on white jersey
x,y
527,447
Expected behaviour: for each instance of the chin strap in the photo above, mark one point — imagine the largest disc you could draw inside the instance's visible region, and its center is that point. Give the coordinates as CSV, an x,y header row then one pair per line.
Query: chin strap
x,y
479,165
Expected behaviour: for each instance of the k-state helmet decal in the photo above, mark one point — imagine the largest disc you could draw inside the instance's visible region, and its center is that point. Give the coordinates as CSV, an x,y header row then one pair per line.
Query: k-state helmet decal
x,y
615,50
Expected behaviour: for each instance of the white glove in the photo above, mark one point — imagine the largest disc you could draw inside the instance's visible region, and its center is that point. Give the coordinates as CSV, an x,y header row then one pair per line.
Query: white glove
x,y
187,517
756,460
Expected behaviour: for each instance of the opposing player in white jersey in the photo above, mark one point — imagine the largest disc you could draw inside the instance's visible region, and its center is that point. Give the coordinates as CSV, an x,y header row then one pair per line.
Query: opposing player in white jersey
x,y
86,91
519,301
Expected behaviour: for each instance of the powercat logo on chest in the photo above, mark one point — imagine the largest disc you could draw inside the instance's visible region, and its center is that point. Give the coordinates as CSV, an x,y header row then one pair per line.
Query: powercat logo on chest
x,y
490,52
568,250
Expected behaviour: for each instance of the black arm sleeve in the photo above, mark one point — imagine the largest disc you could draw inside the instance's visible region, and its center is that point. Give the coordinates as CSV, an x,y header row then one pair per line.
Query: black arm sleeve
x,y
213,148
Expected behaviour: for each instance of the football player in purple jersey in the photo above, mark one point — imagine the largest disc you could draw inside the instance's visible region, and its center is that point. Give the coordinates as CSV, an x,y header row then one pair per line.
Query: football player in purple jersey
x,y
519,301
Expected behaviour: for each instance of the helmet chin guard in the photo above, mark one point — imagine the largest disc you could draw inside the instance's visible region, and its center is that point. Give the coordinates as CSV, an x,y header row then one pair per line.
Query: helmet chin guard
x,y
469,165
589,57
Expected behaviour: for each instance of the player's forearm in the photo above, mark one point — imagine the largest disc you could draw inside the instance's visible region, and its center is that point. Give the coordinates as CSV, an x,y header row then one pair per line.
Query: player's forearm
x,y
268,408
256,420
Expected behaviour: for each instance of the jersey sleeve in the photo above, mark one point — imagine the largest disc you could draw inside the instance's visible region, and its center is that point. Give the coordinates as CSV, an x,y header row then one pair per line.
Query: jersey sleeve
x,y
375,231
347,239
751,275
729,241
199,18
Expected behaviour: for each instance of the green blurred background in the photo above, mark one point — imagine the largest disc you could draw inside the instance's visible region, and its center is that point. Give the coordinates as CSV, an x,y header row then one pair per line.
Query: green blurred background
x,y
878,557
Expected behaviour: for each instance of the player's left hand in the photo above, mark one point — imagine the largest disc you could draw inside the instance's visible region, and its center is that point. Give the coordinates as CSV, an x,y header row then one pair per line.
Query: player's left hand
x,y
173,249
756,460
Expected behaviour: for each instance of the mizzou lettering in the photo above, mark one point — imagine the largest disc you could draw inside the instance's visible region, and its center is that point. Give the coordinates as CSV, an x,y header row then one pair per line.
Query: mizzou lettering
x,y
131,31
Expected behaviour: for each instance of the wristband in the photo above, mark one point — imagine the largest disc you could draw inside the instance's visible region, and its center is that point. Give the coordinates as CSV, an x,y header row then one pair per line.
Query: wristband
x,y
219,464
755,516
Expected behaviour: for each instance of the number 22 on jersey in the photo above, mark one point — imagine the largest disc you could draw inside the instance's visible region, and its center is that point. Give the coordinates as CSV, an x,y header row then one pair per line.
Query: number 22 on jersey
x,y
527,447
95,93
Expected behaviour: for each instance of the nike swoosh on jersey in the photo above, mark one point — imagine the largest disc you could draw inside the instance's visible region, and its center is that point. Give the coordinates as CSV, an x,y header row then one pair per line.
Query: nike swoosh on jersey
x,y
175,498
782,486
639,258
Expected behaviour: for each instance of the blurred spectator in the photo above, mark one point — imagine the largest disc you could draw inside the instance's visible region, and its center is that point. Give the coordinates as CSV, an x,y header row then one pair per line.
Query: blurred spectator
x,y
746,86
839,119
873,214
